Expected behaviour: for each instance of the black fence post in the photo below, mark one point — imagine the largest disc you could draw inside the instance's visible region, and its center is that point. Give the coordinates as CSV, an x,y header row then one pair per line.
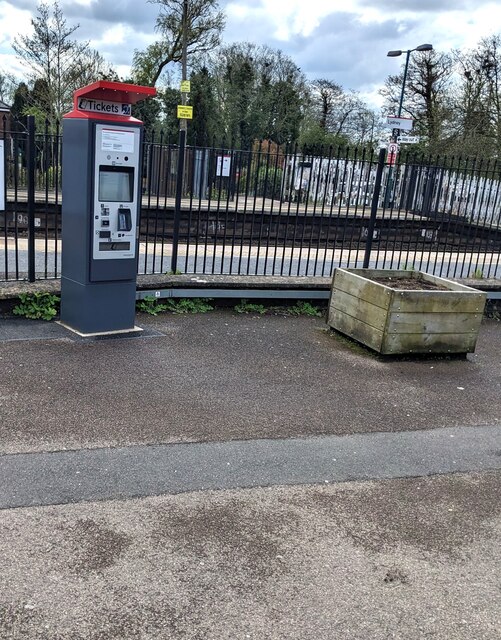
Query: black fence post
x,y
30,167
374,207
179,195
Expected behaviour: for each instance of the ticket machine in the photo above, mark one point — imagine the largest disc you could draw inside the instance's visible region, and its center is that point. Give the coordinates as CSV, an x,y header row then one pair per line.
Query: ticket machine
x,y
101,201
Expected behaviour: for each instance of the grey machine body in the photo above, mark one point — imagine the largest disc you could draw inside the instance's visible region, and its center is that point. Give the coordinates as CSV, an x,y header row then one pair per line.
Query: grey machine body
x,y
101,191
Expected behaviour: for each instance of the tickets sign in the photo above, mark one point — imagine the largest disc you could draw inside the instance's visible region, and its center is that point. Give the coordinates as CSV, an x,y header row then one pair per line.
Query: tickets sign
x,y
103,106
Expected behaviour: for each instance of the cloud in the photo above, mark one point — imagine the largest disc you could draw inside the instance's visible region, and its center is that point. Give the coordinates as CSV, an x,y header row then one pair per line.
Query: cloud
x,y
346,42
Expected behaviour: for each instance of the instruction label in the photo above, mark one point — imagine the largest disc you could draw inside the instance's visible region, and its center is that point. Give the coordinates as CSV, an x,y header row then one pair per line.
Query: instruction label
x,y
117,140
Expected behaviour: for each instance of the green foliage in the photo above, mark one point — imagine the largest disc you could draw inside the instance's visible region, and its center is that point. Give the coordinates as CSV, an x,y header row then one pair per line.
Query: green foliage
x,y
205,125
37,306
269,180
248,307
174,273
151,305
313,136
478,274
190,305
304,309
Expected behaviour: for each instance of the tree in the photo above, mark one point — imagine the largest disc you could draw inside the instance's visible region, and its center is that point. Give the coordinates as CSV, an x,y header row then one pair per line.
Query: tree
x,y
206,124
337,117
55,60
478,98
260,93
7,87
204,27
20,104
426,96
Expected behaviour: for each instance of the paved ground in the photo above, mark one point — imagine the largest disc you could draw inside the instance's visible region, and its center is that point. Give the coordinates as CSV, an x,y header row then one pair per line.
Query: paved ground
x,y
224,377
408,558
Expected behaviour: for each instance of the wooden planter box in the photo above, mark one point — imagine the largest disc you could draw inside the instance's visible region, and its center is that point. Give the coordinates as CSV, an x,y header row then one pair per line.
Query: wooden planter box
x,y
398,320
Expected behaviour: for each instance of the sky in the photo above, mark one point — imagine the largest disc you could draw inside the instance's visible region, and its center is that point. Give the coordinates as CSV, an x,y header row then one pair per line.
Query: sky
x,y
342,40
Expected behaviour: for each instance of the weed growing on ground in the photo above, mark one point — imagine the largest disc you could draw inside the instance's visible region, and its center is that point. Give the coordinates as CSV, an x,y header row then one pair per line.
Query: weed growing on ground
x,y
478,274
174,273
304,309
248,307
37,306
151,306
190,305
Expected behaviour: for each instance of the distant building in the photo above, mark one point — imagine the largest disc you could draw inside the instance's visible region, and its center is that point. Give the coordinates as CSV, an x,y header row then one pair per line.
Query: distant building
x,y
5,118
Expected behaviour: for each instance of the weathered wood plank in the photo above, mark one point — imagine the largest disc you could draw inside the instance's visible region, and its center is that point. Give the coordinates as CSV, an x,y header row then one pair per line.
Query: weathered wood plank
x,y
356,329
359,309
434,323
384,273
444,282
438,301
400,343
362,288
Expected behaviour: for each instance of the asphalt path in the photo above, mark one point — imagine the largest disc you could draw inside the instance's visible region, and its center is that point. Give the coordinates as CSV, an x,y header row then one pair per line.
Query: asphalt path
x,y
128,472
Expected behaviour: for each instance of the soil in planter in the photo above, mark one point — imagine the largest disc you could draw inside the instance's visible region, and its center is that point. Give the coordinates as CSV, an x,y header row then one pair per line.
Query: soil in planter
x,y
416,284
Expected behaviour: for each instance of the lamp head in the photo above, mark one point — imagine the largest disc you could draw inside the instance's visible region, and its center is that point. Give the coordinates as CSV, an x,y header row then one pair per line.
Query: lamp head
x,y
425,47
394,54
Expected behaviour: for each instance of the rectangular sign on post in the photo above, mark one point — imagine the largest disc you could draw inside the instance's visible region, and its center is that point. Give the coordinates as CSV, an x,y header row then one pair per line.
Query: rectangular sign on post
x,y
408,139
399,123
392,153
2,176
223,166
184,112
185,86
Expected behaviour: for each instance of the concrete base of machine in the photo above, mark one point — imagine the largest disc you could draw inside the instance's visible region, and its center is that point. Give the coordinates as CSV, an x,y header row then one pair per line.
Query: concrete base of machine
x,y
135,331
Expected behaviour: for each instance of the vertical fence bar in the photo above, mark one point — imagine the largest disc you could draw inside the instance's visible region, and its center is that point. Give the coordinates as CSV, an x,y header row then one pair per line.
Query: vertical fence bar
x,y
31,161
179,195
57,206
374,206
3,197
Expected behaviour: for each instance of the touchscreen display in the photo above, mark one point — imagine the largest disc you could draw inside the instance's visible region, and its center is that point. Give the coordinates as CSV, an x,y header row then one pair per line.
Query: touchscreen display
x,y
116,184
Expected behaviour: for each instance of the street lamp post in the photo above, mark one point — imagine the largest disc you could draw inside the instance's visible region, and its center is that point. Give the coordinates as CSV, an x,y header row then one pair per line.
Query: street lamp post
x,y
396,131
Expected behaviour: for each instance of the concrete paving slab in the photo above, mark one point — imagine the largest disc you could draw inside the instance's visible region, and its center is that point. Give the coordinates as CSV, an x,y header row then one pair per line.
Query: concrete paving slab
x,y
407,559
224,376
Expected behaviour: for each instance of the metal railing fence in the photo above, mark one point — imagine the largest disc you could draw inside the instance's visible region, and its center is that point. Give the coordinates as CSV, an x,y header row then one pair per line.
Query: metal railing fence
x,y
269,210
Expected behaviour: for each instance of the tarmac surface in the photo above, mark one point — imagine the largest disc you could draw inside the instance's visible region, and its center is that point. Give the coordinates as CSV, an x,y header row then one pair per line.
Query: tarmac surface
x,y
364,552
224,376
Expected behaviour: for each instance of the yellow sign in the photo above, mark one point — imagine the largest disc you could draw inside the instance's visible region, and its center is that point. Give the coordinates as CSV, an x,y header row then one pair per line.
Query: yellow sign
x,y
184,112
185,86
